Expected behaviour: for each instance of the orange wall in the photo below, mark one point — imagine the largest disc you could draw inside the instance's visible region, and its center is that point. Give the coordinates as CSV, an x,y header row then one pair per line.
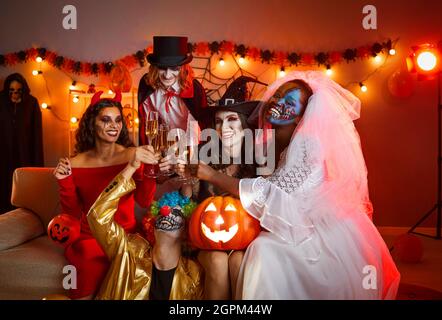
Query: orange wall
x,y
398,136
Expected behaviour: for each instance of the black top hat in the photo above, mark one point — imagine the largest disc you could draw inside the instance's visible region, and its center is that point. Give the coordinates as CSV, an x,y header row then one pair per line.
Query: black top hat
x,y
169,51
236,97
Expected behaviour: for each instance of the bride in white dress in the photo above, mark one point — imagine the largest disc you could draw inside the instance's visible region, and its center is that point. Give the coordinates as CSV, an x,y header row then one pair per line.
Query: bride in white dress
x,y
320,242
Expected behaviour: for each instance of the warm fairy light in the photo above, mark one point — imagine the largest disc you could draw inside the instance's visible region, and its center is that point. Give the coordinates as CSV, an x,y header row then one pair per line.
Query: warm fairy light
x,y
363,87
44,105
76,99
137,121
241,60
36,72
110,92
38,59
74,120
427,60
222,62
377,59
329,71
73,85
392,52
281,72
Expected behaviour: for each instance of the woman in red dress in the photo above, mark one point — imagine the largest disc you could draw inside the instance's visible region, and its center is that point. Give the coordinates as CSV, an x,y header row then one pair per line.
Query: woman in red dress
x,y
103,149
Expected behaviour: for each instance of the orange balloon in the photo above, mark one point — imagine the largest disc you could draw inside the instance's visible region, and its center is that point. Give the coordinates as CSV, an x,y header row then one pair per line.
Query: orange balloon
x,y
401,84
64,229
408,248
120,78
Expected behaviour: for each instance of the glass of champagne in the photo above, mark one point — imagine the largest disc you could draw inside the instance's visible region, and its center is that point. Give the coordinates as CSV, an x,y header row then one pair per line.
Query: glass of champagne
x,y
164,145
151,131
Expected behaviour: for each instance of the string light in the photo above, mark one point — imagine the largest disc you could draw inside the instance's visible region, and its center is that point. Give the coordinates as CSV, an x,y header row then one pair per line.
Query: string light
x,y
377,59
44,105
242,59
282,72
363,87
392,52
221,62
72,86
76,99
110,92
74,120
39,59
329,71
137,121
36,72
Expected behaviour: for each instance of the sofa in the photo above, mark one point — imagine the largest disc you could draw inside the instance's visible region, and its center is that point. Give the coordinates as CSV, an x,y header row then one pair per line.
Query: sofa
x,y
31,265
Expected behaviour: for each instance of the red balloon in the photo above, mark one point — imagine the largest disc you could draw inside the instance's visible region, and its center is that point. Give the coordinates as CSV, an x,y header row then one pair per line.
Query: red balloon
x,y
64,229
401,84
408,248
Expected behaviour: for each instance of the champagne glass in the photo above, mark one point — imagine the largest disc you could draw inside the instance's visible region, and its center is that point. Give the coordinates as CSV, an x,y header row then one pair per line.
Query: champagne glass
x,y
181,138
164,145
151,131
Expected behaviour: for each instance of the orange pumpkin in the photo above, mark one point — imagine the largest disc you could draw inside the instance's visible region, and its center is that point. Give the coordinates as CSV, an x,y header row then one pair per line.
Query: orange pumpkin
x,y
221,223
64,229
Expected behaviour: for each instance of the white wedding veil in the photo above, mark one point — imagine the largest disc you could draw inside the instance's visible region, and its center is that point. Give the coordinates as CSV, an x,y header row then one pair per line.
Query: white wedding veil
x,y
323,175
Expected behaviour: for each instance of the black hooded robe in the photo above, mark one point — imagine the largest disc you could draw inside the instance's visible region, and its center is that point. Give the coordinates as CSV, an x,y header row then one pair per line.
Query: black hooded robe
x,y
20,141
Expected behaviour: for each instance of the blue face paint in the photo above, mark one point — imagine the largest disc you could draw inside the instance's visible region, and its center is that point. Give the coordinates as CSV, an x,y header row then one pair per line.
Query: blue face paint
x,y
286,109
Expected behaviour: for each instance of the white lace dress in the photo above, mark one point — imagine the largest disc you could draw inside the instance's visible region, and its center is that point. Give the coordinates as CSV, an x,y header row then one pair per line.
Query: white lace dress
x,y
314,248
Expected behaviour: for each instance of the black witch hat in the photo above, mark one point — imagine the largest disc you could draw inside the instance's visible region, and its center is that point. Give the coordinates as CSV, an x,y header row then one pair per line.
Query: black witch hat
x,y
236,97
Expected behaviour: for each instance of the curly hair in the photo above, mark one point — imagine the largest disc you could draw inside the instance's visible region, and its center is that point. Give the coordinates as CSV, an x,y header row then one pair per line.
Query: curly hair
x,y
85,134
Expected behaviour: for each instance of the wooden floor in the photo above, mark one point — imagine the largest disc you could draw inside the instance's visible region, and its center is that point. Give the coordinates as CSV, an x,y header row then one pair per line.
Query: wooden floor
x,y
427,273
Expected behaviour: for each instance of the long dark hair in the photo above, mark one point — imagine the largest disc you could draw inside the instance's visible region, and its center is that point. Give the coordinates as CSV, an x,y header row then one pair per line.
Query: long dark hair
x,y
85,134
20,79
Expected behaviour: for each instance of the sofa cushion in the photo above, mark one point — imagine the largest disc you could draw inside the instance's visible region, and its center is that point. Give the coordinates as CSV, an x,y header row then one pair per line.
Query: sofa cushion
x,y
18,226
32,270
36,189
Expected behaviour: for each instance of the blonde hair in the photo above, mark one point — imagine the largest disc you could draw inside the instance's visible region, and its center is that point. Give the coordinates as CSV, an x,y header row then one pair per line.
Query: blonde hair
x,y
185,77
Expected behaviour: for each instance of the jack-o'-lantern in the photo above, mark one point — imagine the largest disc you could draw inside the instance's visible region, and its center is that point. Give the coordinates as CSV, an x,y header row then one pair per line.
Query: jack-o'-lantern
x,y
64,229
221,223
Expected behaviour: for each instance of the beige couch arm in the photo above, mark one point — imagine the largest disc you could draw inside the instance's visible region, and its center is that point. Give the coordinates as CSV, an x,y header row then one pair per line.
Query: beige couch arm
x,y
36,189
17,227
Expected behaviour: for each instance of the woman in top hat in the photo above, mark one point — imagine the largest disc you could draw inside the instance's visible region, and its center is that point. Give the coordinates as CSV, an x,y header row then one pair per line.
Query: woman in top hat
x,y
169,87
230,120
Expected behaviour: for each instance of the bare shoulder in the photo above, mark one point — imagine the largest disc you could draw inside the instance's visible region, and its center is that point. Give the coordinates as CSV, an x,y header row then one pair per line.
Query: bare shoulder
x,y
78,160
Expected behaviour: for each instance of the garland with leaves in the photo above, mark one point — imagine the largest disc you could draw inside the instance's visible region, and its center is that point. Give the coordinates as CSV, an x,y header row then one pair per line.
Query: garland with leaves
x,y
221,48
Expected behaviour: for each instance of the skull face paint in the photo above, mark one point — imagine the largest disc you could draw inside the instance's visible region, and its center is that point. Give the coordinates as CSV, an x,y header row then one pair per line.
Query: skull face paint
x,y
169,76
15,91
171,221
284,106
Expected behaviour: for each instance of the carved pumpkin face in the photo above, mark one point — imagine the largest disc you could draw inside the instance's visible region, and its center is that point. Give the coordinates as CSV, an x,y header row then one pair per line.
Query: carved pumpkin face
x,y
64,229
221,223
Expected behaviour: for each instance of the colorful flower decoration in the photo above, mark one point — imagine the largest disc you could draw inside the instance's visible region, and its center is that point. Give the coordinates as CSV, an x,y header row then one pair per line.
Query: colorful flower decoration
x,y
171,200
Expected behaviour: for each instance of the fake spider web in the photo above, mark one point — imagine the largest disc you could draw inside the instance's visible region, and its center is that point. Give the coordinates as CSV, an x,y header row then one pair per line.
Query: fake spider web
x,y
214,85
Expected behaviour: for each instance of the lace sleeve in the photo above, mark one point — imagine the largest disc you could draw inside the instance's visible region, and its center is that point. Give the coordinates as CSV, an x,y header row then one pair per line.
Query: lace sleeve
x,y
301,171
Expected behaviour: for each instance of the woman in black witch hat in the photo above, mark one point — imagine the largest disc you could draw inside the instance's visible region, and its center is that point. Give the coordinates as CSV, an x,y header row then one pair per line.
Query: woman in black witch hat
x,y
230,120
